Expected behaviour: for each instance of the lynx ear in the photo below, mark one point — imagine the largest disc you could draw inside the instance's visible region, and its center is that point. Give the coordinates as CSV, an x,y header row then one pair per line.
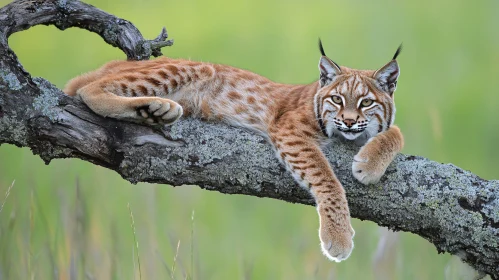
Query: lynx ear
x,y
388,75
329,69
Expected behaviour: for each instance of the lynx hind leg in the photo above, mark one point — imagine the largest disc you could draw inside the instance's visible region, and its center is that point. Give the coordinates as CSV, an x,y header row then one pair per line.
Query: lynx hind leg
x,y
87,78
78,82
150,110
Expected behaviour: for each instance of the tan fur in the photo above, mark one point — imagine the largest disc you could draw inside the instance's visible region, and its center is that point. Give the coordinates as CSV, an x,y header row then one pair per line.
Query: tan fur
x,y
159,91
371,162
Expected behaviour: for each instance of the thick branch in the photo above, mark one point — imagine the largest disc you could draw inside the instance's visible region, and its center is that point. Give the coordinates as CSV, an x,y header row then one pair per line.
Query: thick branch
x,y
452,208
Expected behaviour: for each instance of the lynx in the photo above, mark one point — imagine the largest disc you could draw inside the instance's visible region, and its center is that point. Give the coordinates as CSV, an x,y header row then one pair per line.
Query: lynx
x,y
356,105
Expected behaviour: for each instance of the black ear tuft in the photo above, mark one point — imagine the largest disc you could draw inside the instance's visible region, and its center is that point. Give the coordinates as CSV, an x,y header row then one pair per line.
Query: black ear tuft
x,y
397,52
321,48
324,53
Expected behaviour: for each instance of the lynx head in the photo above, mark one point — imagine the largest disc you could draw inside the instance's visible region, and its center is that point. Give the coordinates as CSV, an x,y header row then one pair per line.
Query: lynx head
x,y
356,104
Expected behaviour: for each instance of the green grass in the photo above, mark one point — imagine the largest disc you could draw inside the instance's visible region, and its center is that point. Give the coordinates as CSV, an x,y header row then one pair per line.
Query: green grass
x,y
69,220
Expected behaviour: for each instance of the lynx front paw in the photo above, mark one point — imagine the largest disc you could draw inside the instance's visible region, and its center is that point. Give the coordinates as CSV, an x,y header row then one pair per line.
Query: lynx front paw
x,y
366,170
160,111
373,159
336,235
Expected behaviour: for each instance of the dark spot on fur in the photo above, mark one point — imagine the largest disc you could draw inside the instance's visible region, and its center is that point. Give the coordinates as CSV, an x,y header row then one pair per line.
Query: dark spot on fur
x,y
163,74
172,69
234,95
142,89
174,84
131,78
124,88
153,81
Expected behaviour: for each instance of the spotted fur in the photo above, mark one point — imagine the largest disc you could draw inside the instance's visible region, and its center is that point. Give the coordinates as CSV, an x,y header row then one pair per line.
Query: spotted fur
x,y
296,119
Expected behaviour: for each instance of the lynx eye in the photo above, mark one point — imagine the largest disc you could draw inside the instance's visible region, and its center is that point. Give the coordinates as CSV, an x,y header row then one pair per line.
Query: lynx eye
x,y
336,99
366,103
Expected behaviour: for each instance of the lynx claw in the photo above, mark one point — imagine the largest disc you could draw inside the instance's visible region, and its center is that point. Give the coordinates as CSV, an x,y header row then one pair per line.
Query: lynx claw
x,y
160,111
143,113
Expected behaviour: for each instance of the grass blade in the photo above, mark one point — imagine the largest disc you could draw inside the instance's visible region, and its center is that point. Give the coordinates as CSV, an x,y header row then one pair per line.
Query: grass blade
x,y
135,239
175,261
7,195
192,245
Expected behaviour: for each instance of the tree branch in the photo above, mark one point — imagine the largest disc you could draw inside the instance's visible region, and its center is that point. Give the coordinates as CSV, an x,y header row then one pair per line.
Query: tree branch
x,y
23,14
452,208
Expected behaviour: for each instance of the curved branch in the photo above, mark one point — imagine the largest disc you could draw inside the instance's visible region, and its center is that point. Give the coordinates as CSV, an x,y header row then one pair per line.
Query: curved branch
x,y
22,14
452,208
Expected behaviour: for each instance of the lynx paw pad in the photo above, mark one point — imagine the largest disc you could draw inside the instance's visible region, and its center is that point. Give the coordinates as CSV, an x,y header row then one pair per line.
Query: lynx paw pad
x,y
160,112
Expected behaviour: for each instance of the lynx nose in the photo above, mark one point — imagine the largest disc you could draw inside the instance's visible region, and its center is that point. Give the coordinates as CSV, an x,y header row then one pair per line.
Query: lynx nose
x,y
349,122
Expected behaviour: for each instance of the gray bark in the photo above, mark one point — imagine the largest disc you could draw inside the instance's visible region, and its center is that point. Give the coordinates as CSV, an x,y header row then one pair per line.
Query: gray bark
x,y
452,208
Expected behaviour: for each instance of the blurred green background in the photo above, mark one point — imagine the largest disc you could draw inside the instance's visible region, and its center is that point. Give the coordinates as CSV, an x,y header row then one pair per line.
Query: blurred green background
x,y
69,220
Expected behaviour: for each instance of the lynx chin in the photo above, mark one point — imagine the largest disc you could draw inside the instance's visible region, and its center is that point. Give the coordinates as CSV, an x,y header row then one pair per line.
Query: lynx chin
x,y
357,105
